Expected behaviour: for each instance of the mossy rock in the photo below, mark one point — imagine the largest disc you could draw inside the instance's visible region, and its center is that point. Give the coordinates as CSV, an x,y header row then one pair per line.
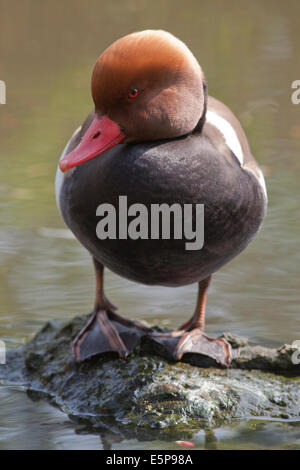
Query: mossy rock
x,y
145,392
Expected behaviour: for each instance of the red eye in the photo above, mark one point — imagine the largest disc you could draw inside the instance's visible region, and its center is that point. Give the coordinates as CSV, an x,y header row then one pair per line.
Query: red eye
x,y
133,93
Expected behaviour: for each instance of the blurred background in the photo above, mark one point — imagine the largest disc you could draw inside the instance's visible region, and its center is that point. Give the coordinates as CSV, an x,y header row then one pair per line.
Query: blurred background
x,y
250,52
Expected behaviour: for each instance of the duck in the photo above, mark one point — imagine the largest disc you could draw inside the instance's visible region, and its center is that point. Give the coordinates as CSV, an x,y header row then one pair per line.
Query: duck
x,y
155,136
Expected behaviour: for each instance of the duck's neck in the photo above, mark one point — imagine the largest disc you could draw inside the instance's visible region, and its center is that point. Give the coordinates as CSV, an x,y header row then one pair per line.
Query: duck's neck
x,y
201,121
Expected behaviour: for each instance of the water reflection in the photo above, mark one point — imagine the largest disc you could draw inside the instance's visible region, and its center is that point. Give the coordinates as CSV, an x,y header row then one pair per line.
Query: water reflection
x,y
251,56
27,423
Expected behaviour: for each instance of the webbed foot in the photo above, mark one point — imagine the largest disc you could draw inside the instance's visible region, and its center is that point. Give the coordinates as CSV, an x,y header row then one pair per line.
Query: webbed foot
x,y
105,332
176,344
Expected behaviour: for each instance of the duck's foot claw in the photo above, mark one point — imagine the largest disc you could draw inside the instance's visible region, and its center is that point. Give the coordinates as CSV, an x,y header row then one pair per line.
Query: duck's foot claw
x,y
106,332
194,347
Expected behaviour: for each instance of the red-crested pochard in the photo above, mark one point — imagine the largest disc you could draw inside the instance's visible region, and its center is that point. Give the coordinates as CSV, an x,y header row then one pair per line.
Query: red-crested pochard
x,y
156,137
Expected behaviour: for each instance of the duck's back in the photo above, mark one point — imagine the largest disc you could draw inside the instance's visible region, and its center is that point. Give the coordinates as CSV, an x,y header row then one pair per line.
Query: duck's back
x,y
197,169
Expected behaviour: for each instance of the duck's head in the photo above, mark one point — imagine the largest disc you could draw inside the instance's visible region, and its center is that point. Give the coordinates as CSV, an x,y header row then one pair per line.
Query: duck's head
x,y
146,86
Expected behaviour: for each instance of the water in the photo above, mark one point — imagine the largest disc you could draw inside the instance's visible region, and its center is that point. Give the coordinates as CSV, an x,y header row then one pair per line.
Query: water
x,y
250,54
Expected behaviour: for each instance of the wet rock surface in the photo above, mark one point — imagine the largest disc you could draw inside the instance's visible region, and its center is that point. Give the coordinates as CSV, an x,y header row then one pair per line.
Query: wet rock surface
x,y
146,393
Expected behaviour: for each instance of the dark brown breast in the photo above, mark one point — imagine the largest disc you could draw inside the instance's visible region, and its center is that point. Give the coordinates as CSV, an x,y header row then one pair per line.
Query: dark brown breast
x,y
189,170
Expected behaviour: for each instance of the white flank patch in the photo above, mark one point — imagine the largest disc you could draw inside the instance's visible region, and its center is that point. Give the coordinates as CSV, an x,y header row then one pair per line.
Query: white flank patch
x,y
56,233
59,179
228,132
261,179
